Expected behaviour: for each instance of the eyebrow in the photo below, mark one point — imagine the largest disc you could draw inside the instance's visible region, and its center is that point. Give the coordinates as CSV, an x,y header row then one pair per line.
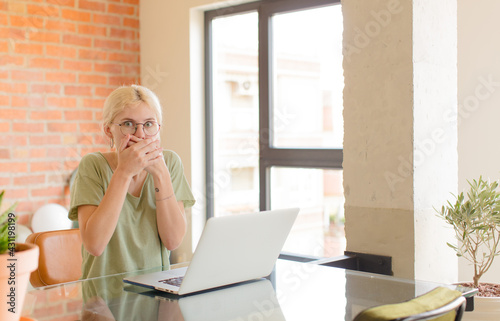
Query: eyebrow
x,y
147,119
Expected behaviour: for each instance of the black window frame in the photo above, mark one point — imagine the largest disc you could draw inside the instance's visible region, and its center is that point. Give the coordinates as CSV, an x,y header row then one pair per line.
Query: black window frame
x,y
269,156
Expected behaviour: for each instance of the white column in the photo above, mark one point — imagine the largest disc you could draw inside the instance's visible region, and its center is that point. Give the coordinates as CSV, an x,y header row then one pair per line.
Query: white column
x,y
400,157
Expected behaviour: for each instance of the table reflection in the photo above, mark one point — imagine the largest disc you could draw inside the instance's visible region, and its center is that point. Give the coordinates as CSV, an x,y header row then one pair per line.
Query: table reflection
x,y
294,291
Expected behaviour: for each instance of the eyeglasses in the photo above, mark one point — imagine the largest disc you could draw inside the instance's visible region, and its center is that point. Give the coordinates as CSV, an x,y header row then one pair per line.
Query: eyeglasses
x,y
150,128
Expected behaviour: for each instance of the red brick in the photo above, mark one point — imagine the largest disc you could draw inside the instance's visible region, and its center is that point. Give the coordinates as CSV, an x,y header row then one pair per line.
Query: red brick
x,y
28,49
62,127
93,103
78,65
13,88
76,15
4,127
122,80
90,128
30,101
30,179
103,91
64,102
107,19
47,191
66,3
13,33
13,140
93,30
38,152
132,69
45,140
58,25
77,40
43,11
45,63
46,115
92,54
121,57
45,166
121,9
19,153
4,19
17,7
124,33
131,22
63,152
5,181
28,127
13,113
25,74
45,37
92,5
60,51
78,90
4,153
92,79
14,195
108,68
132,46
45,88
11,60
14,167
4,46
60,77
19,21
107,44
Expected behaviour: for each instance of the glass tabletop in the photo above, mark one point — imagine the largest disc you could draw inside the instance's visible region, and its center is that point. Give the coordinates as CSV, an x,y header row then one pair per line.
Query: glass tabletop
x,y
294,291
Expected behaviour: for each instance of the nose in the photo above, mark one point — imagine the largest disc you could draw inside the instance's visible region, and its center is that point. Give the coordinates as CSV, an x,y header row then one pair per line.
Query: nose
x,y
139,131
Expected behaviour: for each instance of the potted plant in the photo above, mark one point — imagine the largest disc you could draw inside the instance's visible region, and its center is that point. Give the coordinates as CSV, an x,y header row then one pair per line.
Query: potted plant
x,y
475,219
17,261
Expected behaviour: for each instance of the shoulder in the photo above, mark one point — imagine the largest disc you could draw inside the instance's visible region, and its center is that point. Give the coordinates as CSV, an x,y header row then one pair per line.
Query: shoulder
x,y
171,156
92,160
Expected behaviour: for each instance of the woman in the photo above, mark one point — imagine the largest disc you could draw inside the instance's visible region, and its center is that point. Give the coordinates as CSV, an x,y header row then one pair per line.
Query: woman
x,y
130,202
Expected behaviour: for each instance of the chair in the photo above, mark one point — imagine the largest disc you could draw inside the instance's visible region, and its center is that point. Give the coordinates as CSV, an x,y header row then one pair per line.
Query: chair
x,y
60,257
441,304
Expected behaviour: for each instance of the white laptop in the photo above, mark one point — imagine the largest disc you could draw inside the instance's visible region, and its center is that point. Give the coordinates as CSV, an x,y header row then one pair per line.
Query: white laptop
x,y
231,249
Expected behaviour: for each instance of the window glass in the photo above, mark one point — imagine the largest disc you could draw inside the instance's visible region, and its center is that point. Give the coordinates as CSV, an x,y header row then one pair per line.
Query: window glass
x,y
235,114
319,228
307,78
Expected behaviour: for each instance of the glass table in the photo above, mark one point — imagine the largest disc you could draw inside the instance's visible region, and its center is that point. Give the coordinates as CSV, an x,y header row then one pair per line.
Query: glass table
x,y
294,291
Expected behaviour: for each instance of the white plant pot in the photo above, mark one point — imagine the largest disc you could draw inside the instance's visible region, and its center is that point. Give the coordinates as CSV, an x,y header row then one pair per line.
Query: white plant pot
x,y
485,309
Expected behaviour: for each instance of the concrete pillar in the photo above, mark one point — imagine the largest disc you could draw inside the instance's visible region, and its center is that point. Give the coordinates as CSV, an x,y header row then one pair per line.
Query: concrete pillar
x,y
400,139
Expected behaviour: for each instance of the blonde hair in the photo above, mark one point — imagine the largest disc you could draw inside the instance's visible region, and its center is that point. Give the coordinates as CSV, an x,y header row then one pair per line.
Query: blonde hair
x,y
126,96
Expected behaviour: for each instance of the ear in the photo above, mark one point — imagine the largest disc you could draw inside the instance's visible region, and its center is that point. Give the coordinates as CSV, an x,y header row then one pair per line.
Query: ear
x,y
107,131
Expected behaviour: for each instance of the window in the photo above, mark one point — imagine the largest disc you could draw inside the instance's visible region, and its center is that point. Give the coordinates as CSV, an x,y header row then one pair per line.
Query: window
x,y
274,85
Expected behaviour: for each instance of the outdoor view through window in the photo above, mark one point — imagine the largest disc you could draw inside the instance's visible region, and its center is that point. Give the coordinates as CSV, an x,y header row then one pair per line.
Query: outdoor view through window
x,y
307,84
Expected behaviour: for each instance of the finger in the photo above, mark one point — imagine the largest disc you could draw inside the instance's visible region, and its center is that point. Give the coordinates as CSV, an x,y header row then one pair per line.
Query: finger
x,y
124,143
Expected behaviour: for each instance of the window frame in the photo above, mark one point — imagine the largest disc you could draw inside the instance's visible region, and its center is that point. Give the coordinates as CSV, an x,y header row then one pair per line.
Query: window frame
x,y
269,156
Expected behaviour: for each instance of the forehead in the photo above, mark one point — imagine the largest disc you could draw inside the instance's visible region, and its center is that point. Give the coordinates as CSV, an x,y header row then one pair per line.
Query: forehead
x,y
138,112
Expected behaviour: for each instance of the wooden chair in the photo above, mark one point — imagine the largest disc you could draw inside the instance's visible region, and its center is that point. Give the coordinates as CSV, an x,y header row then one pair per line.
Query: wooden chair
x,y
439,304
60,257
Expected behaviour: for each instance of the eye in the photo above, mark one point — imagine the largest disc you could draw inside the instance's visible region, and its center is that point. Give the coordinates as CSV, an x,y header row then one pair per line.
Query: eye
x,y
128,124
149,124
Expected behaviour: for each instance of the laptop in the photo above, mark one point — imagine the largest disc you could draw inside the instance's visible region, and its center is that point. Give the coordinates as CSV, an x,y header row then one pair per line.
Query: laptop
x,y
231,249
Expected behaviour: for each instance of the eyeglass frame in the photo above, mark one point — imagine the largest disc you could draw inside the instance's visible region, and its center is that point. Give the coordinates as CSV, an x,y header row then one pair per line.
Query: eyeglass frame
x,y
136,126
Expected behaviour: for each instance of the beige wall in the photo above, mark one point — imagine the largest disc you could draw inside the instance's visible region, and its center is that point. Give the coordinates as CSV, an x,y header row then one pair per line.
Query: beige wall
x,y
479,101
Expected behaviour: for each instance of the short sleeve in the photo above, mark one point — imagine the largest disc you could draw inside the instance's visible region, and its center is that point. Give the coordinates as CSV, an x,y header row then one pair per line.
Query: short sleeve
x,y
89,185
179,182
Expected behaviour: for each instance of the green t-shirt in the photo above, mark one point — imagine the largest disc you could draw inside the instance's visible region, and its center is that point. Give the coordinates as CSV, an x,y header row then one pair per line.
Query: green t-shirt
x,y
135,244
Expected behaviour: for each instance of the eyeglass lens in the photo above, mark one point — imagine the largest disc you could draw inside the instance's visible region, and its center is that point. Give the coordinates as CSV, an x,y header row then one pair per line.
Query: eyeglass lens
x,y
150,128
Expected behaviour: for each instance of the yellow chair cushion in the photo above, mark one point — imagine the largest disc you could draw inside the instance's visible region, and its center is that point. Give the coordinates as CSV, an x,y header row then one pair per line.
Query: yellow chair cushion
x,y
430,301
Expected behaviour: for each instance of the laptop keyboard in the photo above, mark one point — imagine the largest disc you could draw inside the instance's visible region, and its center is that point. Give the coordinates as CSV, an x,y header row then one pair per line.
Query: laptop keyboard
x,y
173,281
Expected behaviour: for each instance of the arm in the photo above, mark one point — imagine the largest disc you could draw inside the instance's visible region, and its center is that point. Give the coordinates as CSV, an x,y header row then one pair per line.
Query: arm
x,y
98,223
170,214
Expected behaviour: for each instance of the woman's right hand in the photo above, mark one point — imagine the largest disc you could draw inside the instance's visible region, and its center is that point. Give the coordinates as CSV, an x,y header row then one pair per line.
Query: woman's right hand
x,y
134,154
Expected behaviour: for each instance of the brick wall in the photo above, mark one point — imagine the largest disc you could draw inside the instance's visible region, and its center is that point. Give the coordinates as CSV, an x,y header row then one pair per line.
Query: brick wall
x,y
59,59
